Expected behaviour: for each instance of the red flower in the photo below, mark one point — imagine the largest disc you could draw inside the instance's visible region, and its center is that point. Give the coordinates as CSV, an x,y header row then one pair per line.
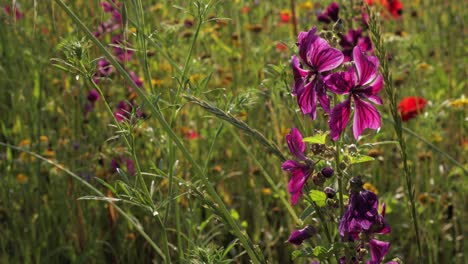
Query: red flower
x,y
410,107
285,16
395,7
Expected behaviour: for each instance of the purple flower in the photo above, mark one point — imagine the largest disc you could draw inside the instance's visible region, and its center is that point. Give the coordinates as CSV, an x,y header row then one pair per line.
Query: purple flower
x,y
318,57
360,82
298,236
93,96
362,215
104,67
105,27
352,39
300,171
378,250
115,164
18,14
331,14
123,53
136,79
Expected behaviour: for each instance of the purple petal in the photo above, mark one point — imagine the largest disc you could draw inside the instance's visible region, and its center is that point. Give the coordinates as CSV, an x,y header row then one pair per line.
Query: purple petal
x,y
298,236
341,82
323,57
299,76
321,90
307,100
366,66
289,165
365,116
297,181
378,250
304,41
295,143
339,118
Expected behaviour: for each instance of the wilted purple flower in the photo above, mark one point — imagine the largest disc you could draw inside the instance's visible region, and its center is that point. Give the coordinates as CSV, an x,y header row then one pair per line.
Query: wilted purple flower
x,y
319,57
331,14
361,82
362,215
378,250
300,170
298,236
352,39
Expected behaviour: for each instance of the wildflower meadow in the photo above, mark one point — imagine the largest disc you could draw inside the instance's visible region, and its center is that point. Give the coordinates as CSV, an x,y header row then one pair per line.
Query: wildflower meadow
x,y
233,131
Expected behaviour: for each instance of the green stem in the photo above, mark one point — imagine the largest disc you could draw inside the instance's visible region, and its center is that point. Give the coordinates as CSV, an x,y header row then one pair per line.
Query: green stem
x,y
256,256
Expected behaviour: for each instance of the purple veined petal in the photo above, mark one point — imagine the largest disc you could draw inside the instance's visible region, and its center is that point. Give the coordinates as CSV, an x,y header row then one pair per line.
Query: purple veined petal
x,y
296,145
365,116
297,181
322,96
290,165
366,66
299,76
374,87
341,82
339,118
322,57
378,250
307,100
304,41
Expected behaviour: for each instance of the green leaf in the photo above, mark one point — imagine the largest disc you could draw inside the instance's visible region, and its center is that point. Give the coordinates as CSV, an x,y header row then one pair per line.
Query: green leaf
x,y
307,212
319,138
360,159
105,184
234,214
318,197
319,250
305,252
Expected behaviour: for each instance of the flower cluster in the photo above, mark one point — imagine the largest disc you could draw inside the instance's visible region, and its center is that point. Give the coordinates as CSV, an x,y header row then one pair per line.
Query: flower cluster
x,y
349,77
314,82
122,53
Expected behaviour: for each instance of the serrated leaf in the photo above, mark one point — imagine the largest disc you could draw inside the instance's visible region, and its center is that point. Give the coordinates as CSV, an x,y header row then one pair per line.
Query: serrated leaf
x,y
360,159
307,212
318,197
319,138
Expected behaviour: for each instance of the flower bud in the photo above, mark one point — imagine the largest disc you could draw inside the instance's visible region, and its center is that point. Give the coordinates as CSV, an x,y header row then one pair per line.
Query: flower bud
x,y
327,172
330,192
298,236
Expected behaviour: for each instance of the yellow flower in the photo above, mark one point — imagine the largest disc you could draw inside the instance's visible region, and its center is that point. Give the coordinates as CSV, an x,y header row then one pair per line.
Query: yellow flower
x,y
266,191
423,67
43,138
156,7
21,178
306,5
49,154
368,186
459,103
24,143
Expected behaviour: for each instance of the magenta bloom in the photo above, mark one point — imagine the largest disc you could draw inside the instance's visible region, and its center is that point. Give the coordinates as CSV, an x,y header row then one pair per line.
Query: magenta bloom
x,y
378,250
104,67
300,170
330,15
318,57
18,14
136,79
122,53
298,236
362,215
361,82
352,39
93,96
116,164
